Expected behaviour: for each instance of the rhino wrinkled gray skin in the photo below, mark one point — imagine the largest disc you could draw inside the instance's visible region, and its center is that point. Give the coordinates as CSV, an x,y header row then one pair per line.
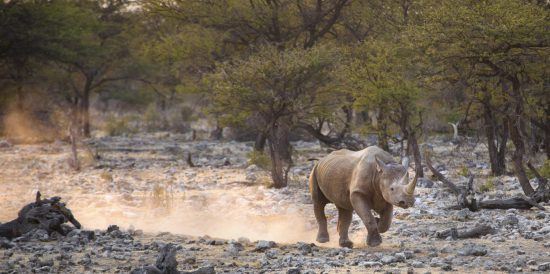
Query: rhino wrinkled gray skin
x,y
363,180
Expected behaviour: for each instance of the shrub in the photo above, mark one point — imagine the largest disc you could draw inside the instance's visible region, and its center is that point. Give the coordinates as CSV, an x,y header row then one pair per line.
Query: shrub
x,y
544,170
463,171
162,195
152,117
489,185
260,159
115,126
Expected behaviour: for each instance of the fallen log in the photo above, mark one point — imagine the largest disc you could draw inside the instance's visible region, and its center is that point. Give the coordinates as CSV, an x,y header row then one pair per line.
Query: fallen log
x,y
476,232
466,197
47,214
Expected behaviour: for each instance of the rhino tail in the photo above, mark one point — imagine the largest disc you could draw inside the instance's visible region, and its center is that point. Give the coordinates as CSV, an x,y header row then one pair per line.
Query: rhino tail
x,y
316,194
313,180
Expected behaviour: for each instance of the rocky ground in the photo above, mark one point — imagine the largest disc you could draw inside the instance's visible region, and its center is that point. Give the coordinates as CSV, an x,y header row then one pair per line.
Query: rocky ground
x,y
221,217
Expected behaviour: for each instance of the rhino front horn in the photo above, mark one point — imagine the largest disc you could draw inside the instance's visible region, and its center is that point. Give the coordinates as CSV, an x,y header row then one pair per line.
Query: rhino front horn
x,y
412,185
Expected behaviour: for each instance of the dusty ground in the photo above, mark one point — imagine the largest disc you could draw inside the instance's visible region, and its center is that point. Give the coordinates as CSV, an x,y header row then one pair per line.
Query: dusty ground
x,y
217,213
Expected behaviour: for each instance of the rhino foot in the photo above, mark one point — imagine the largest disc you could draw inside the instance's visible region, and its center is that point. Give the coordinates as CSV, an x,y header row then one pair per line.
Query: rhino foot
x,y
346,243
322,238
374,239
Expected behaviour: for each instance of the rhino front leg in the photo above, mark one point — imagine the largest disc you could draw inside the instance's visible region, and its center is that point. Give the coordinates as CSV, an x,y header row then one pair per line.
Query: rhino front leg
x,y
344,221
362,208
319,209
385,219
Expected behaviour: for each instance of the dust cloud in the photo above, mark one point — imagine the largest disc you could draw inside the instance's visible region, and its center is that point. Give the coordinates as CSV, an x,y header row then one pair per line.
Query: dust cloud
x,y
212,203
218,214
30,126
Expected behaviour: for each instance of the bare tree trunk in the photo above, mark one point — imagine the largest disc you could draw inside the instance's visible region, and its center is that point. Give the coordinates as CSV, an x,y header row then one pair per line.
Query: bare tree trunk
x,y
496,154
382,131
546,137
216,134
259,144
279,149
416,154
516,134
73,137
85,109
517,157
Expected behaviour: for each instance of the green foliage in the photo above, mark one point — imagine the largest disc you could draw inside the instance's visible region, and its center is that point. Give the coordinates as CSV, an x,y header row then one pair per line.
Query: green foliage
x,y
273,84
484,45
137,98
489,185
116,126
464,171
259,159
544,170
152,118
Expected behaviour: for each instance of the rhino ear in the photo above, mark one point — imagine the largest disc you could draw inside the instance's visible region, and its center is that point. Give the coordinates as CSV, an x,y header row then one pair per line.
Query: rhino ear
x,y
380,165
405,162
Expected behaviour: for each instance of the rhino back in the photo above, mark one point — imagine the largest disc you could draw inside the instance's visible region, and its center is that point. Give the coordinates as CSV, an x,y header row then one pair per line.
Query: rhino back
x,y
334,173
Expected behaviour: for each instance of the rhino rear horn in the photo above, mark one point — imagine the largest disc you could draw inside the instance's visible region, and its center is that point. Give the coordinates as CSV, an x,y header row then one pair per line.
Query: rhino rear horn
x,y
405,162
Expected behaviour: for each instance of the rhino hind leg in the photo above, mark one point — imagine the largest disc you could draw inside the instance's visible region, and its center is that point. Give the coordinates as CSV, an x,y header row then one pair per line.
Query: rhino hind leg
x,y
319,209
344,221
319,203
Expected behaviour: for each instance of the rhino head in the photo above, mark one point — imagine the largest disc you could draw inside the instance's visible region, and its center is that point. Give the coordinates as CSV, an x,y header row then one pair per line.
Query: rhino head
x,y
394,183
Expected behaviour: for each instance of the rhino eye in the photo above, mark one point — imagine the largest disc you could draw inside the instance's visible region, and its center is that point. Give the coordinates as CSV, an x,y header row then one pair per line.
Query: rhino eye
x,y
391,188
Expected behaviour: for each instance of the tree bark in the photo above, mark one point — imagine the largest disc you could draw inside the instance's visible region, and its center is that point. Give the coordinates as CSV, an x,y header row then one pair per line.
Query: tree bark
x,y
259,144
466,197
416,154
217,133
517,158
496,154
85,108
280,150
517,129
382,127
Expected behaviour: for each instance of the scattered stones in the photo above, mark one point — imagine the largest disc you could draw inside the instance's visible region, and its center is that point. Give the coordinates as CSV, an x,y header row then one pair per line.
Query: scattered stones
x,y
425,183
417,264
544,266
243,240
234,248
510,219
5,144
294,271
410,244
5,243
202,270
112,228
264,245
304,248
370,264
473,250
388,259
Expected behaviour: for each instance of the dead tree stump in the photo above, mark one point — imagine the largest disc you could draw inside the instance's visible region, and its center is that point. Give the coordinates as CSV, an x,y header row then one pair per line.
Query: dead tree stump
x,y
47,214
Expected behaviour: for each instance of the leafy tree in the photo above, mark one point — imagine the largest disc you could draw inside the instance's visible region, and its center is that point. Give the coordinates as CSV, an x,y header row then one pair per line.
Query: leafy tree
x,y
501,50
280,88
84,40
380,73
239,27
